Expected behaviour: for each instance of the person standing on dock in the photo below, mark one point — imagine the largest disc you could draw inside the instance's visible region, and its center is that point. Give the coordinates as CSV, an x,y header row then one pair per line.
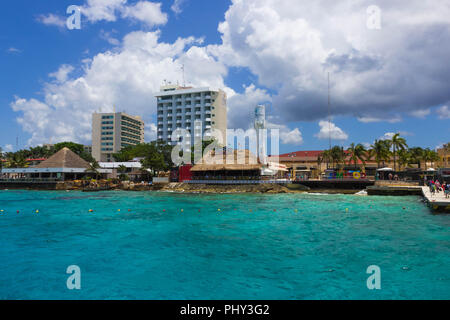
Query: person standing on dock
x,y
431,187
446,187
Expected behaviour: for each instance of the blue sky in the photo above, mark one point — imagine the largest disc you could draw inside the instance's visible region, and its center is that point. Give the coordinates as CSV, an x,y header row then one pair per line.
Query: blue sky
x,y
393,83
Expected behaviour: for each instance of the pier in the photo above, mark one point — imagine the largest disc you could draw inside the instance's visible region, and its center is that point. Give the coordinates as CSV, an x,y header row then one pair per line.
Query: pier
x,y
436,201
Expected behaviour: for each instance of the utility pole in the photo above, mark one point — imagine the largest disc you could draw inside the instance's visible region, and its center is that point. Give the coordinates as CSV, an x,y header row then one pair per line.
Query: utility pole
x,y
329,112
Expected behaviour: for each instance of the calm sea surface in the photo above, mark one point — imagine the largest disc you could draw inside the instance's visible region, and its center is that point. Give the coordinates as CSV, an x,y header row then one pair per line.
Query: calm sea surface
x,y
311,247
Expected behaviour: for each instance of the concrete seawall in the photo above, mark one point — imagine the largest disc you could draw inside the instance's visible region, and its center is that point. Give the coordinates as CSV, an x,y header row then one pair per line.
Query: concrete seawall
x,y
28,185
336,184
394,191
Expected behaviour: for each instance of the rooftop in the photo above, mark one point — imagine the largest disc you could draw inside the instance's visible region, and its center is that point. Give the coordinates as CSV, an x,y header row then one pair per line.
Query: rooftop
x,y
182,90
64,158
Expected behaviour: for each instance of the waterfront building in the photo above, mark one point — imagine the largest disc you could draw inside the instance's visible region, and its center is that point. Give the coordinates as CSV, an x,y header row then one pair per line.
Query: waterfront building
x,y
63,165
132,169
305,164
88,149
190,108
444,155
113,131
228,164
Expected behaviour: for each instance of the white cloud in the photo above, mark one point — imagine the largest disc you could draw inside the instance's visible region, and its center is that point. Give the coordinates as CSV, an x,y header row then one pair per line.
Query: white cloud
x,y
150,131
8,148
62,74
52,20
147,12
291,137
176,6
94,11
290,48
99,10
13,50
241,106
444,112
389,135
391,119
421,113
126,77
108,36
328,129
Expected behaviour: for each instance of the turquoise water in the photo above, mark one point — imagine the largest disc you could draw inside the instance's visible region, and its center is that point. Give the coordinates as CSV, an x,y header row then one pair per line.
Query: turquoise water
x,y
319,252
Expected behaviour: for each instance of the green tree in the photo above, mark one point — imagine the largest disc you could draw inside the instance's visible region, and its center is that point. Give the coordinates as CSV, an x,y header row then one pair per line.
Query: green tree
x,y
324,156
337,156
93,168
397,143
122,169
16,160
404,158
430,156
154,162
416,155
380,151
357,152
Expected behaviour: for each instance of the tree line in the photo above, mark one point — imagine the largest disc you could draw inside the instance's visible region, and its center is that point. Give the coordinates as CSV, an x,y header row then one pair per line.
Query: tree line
x,y
19,159
381,151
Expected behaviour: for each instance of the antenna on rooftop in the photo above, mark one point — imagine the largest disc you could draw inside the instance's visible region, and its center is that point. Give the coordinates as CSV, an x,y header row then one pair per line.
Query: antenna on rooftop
x,y
184,82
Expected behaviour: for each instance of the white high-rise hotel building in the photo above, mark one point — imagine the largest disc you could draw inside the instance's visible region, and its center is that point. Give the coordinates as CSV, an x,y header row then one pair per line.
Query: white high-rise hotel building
x,y
182,107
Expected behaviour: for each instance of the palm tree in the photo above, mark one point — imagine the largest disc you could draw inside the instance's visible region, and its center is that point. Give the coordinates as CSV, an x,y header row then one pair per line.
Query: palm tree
x,y
93,168
16,160
417,155
324,156
122,169
356,153
380,151
397,143
337,155
404,158
430,156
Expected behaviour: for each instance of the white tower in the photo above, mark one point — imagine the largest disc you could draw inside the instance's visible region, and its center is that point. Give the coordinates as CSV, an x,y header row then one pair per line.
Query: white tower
x,y
261,136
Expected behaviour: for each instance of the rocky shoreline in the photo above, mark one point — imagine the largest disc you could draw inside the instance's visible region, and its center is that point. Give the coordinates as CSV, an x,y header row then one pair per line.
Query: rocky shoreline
x,y
103,185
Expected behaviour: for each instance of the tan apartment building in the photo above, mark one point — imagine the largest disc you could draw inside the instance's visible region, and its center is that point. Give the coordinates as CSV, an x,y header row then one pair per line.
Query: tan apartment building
x,y
113,131
444,154
194,109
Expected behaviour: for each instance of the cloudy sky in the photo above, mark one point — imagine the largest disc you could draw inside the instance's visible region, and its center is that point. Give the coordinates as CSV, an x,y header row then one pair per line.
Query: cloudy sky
x,y
389,66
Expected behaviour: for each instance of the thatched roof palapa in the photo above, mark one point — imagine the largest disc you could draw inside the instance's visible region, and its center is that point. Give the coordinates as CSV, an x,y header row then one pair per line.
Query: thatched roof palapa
x,y
64,158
